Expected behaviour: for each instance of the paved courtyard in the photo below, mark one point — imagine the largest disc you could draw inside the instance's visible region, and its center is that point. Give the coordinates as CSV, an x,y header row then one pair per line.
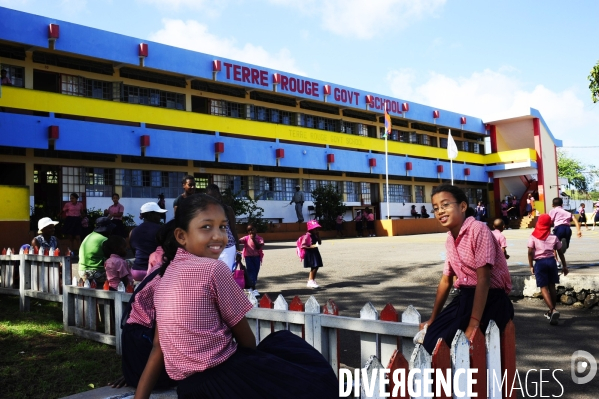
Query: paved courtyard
x,y
405,270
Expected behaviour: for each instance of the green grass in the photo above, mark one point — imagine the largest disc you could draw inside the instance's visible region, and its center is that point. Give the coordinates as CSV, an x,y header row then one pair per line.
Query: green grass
x,y
39,360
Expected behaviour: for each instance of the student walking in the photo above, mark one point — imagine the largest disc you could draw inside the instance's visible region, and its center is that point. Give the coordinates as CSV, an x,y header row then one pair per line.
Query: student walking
x,y
542,247
202,336
561,220
309,253
582,216
370,223
73,213
530,205
475,258
498,227
253,254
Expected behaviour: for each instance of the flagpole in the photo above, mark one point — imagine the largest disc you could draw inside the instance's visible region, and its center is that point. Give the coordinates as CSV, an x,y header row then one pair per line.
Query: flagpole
x,y
387,176
451,168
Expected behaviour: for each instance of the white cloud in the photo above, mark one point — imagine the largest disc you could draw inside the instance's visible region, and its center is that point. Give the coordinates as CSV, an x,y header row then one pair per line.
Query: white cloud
x,y
492,95
364,19
195,36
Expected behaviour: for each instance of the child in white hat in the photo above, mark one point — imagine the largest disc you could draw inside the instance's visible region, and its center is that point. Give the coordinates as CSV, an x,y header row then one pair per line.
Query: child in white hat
x,y
45,239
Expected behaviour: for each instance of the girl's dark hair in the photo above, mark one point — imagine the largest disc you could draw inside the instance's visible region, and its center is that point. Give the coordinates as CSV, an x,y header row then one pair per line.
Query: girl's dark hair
x,y
187,209
113,245
457,193
113,194
75,195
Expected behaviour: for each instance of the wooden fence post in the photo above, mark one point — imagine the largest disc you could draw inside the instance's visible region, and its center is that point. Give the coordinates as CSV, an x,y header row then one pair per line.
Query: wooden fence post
x,y
420,360
412,316
508,356
368,341
280,304
398,362
460,359
312,322
492,338
478,360
24,284
389,343
330,338
441,363
297,306
371,379
265,327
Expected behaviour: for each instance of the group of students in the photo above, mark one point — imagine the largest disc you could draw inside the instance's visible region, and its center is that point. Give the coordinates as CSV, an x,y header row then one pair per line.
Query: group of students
x,y
187,323
365,219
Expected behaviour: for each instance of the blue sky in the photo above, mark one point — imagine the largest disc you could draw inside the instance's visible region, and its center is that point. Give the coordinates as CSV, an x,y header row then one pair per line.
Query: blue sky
x,y
487,59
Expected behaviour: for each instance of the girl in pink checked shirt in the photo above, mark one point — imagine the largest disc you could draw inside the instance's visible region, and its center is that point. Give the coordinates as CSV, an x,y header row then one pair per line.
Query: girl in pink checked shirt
x,y
477,261
202,336
117,268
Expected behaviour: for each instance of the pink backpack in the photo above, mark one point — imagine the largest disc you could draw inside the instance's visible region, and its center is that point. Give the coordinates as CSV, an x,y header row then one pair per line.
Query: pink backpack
x,y
303,240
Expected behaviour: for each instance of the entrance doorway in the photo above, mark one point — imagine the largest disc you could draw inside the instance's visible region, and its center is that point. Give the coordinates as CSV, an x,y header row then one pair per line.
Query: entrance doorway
x,y
46,193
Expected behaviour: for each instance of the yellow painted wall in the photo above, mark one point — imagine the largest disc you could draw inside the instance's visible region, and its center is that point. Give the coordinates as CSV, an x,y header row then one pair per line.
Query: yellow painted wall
x,y
59,103
14,203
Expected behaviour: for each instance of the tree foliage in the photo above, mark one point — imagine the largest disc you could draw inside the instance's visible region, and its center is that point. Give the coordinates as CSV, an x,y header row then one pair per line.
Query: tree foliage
x,y
579,175
328,204
246,206
594,85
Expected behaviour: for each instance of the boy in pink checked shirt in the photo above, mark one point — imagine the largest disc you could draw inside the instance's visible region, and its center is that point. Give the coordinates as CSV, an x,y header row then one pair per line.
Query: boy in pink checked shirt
x,y
117,268
541,248
498,227
561,219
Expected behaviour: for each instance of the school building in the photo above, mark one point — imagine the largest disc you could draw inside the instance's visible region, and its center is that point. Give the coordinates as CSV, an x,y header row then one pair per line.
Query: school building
x,y
95,112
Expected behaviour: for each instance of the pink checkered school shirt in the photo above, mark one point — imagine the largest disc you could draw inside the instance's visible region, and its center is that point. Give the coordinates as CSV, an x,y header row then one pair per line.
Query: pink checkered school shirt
x,y
475,247
500,238
197,302
544,248
116,269
560,216
142,310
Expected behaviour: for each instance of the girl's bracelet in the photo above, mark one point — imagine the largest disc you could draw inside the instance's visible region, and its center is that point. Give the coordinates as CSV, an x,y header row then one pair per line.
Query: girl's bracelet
x,y
472,317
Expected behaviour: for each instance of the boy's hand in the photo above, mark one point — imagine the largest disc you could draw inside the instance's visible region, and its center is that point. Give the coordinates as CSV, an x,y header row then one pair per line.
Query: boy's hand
x,y
565,270
532,270
579,234
507,256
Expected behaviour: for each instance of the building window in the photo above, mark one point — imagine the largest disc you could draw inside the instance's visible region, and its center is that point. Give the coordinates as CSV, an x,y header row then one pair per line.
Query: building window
x,y
419,193
149,183
201,182
398,193
16,74
443,143
73,181
352,192
365,193
237,184
310,185
274,188
99,182
153,97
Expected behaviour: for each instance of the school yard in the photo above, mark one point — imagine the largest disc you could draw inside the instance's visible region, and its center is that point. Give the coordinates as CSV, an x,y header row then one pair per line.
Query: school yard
x,y
405,270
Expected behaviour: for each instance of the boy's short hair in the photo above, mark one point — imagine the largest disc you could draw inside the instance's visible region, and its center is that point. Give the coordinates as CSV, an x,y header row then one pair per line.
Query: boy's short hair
x,y
557,201
498,223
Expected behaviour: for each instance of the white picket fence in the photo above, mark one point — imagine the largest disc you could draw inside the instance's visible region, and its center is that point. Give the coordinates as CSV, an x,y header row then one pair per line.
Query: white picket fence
x,y
40,276
385,338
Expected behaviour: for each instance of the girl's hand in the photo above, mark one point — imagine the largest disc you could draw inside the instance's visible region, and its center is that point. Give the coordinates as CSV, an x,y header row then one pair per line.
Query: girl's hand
x,y
532,270
429,321
471,330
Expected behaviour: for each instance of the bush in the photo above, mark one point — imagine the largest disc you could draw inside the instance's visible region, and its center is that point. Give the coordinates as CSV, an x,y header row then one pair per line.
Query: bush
x,y
328,204
246,206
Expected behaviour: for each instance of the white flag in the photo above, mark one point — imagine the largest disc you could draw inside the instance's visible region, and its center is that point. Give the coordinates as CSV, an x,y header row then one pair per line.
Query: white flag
x,y
452,149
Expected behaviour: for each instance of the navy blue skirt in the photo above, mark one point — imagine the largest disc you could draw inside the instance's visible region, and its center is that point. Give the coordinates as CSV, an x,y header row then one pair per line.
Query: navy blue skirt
x,y
457,314
312,258
283,366
72,226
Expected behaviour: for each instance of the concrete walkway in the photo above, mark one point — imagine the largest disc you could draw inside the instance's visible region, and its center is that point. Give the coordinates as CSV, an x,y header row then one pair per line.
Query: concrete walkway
x,y
405,270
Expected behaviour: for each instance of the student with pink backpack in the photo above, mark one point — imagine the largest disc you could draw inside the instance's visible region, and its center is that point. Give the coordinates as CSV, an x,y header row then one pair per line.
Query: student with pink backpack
x,y
307,250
